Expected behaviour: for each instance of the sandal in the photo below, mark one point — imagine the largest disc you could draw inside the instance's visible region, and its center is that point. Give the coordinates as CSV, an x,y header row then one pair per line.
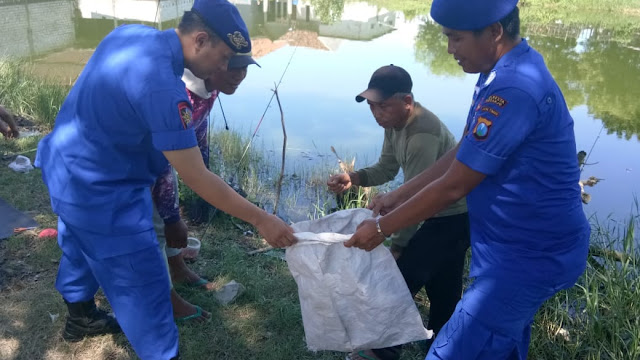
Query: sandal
x,y
197,314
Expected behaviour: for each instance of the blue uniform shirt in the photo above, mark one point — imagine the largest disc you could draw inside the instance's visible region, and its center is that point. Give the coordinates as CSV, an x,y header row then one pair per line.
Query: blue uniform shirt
x,y
527,220
104,153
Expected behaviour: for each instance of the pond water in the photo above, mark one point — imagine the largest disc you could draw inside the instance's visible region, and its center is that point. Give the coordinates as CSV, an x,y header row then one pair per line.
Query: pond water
x,y
600,80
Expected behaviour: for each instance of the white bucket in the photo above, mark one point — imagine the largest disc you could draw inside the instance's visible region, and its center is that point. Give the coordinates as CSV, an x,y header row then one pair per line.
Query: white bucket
x,y
192,249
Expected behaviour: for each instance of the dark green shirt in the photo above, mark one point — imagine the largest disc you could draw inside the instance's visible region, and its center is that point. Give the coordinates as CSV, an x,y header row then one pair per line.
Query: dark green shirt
x,y
414,148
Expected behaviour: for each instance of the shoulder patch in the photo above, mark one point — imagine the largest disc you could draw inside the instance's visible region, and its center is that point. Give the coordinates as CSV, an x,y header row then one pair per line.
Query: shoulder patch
x,y
184,109
481,130
490,111
495,99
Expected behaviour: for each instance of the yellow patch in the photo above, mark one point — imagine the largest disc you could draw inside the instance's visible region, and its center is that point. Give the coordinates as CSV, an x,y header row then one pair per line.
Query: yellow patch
x,y
495,99
490,111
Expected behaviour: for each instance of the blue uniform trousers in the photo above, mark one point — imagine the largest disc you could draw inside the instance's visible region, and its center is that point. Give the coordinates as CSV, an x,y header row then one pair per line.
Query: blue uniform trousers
x,y
492,321
136,285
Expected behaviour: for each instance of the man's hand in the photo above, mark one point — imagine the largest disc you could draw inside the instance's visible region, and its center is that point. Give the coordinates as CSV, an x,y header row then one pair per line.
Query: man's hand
x,y
339,183
275,231
366,236
176,234
8,126
384,203
8,131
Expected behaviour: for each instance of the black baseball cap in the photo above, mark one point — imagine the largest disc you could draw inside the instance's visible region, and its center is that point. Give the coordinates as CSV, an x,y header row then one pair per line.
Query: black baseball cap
x,y
241,60
385,82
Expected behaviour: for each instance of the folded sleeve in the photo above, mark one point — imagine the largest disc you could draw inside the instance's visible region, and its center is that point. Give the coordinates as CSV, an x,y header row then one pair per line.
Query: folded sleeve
x,y
501,123
168,114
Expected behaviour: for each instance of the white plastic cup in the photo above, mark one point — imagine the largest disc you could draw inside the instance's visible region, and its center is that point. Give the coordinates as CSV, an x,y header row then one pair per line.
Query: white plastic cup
x,y
192,250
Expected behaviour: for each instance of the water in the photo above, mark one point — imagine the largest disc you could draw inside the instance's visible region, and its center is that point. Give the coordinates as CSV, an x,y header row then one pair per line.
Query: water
x,y
598,69
601,82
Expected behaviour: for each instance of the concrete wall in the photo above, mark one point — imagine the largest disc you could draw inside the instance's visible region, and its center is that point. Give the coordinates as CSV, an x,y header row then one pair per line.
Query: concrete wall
x,y
140,10
150,10
36,27
360,21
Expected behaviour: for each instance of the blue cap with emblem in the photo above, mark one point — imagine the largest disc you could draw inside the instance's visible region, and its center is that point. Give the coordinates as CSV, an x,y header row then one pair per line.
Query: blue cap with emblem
x,y
470,14
224,19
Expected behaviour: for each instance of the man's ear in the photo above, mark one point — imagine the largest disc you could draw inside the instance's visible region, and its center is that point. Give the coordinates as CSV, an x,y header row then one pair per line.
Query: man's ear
x,y
497,31
201,39
408,99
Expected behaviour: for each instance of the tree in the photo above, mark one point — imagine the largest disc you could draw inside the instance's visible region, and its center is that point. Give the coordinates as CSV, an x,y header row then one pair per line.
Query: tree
x,y
328,11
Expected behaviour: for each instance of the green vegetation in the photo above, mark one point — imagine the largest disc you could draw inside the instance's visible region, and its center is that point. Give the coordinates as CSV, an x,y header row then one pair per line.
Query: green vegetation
x,y
26,95
328,11
596,319
604,75
618,16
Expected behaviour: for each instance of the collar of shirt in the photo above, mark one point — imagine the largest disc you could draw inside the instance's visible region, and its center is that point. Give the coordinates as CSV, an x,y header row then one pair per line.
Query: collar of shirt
x,y
176,51
195,84
416,113
510,57
506,60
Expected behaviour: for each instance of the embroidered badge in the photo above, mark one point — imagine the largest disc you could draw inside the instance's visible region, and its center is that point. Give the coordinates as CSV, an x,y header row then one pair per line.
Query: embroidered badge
x,y
237,40
490,111
481,130
495,99
185,114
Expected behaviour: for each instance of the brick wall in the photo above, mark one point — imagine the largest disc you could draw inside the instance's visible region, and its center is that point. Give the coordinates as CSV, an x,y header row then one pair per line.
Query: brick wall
x,y
36,27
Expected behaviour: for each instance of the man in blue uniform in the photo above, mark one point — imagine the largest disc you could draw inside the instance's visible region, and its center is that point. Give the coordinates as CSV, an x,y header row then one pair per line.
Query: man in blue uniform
x,y
516,164
127,114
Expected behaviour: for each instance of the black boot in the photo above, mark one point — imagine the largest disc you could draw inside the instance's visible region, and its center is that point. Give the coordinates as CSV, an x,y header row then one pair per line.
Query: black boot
x,y
86,320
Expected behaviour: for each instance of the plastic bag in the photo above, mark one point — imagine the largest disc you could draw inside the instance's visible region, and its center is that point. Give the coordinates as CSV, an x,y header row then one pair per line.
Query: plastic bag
x,y
350,299
21,164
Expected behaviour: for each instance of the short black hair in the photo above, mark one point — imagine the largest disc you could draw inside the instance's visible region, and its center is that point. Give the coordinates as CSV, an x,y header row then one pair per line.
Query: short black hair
x,y
192,21
510,24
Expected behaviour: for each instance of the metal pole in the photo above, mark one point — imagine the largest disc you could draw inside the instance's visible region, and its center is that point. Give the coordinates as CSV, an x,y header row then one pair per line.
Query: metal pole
x,y
32,50
115,19
177,13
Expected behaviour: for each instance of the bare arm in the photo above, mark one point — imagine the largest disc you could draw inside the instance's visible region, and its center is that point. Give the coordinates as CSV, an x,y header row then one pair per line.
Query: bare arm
x,y
188,163
457,182
385,203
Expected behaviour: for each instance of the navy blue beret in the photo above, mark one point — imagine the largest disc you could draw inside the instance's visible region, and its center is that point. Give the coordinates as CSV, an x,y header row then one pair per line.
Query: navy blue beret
x,y
224,19
470,14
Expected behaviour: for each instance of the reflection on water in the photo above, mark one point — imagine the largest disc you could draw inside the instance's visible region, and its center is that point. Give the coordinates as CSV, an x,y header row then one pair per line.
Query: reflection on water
x,y
339,44
600,79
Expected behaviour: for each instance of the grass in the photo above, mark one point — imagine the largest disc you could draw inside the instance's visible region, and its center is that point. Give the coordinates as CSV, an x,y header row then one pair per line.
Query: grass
x,y
30,96
620,17
596,319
